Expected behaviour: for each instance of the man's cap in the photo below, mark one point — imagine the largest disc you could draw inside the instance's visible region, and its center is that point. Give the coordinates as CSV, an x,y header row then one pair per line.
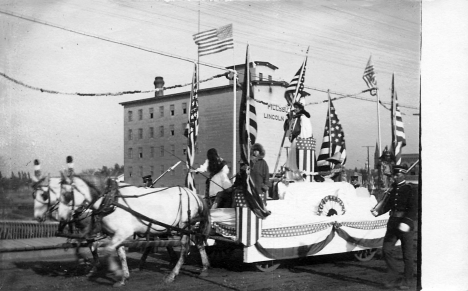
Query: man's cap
x,y
146,177
399,169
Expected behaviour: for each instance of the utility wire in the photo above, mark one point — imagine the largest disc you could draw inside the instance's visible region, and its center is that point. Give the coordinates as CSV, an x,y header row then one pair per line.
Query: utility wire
x,y
112,41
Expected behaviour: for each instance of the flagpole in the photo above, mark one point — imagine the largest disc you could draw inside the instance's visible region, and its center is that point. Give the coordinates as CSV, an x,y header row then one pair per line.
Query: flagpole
x,y
234,147
378,119
330,145
290,106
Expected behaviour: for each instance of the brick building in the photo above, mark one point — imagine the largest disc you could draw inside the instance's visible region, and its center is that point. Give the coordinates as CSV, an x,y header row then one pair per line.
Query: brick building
x,y
154,127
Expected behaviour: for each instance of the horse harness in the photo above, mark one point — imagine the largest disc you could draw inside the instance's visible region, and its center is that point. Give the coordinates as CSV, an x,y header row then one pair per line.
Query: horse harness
x,y
46,194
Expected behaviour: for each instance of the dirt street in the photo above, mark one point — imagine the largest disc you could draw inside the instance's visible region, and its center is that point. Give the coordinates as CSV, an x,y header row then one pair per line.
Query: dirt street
x,y
331,272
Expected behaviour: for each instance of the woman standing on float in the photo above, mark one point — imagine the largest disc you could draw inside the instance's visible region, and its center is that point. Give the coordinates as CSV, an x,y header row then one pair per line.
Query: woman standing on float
x,y
299,126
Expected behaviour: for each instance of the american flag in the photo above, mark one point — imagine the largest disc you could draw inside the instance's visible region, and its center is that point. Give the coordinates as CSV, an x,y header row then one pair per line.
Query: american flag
x,y
248,118
398,130
247,137
296,86
305,155
192,131
369,77
214,40
333,138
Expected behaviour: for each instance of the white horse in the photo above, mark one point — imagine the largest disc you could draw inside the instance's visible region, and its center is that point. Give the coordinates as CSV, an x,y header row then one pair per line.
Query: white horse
x,y
146,208
46,193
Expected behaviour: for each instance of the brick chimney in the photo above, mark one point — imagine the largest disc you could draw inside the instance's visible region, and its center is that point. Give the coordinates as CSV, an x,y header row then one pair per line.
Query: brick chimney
x,y
158,83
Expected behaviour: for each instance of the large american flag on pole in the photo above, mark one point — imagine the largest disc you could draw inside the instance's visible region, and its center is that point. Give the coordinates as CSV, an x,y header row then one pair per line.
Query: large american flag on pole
x,y
333,138
192,131
398,131
247,137
369,77
214,40
296,86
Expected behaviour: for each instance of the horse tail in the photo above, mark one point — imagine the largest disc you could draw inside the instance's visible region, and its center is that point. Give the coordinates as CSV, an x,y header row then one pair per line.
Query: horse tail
x,y
205,217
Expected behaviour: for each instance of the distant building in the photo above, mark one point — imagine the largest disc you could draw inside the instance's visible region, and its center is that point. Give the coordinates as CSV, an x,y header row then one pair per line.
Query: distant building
x,y
407,160
154,127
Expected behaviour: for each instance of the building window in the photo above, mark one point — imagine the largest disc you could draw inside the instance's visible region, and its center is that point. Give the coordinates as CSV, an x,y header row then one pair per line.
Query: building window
x,y
130,171
151,171
161,111
184,126
130,134
184,150
184,108
162,169
172,110
270,78
130,116
162,151
141,171
172,149
171,128
140,152
140,114
161,131
130,153
260,76
151,113
151,132
152,152
140,133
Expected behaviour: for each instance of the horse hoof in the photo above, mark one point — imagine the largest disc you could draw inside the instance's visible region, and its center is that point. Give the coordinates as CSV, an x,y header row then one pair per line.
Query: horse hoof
x,y
168,280
119,284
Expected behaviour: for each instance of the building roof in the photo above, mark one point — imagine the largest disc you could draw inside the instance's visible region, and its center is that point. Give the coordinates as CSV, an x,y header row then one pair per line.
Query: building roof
x,y
207,90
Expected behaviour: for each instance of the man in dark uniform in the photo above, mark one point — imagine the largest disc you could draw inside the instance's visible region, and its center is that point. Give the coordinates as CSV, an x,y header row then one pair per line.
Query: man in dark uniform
x,y
402,204
147,181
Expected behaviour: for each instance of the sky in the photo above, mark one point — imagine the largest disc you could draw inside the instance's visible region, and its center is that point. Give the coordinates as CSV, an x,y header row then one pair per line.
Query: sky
x,y
76,57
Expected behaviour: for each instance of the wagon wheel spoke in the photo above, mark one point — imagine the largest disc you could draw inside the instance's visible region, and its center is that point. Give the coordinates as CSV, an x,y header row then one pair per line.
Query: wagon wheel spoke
x,y
267,266
365,255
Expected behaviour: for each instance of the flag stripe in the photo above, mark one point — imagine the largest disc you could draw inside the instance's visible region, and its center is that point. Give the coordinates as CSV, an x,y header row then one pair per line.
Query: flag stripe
x,y
296,86
398,131
214,40
247,136
192,131
333,139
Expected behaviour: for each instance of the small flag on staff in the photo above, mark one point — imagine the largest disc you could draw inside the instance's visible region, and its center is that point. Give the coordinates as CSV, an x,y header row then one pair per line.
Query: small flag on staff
x,y
214,40
398,131
296,86
192,131
247,137
369,77
333,138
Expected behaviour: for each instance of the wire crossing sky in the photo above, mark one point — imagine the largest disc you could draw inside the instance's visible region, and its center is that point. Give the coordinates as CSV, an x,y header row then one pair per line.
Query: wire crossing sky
x,y
341,37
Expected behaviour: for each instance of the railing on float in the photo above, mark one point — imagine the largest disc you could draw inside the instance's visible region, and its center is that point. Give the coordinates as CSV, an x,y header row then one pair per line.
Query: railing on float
x,y
25,229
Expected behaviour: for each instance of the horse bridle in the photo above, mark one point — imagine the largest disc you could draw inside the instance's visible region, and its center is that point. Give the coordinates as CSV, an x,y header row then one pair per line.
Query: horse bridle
x,y
50,208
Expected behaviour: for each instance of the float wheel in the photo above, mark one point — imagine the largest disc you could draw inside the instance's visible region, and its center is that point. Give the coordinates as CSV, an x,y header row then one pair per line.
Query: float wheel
x,y
267,266
365,255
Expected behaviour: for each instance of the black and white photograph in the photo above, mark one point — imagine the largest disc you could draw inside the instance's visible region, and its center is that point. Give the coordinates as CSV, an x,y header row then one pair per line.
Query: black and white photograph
x,y
233,145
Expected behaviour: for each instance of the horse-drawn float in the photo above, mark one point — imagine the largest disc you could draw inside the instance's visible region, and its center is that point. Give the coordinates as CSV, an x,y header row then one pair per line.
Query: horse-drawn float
x,y
313,219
